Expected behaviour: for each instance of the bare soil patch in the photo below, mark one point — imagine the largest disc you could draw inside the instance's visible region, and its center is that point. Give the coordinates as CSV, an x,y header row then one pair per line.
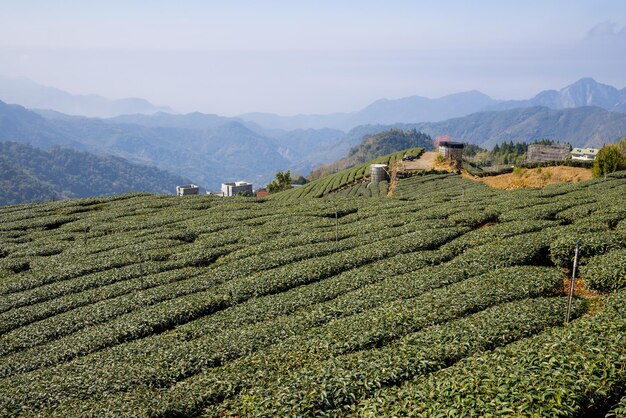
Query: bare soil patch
x,y
580,288
425,162
534,177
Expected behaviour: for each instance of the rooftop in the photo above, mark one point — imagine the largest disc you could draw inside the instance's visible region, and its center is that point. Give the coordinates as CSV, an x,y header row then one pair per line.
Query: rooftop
x,y
451,144
585,151
237,183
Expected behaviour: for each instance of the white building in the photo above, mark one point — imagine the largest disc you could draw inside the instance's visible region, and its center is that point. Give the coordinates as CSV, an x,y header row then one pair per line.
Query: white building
x,y
231,189
584,154
188,189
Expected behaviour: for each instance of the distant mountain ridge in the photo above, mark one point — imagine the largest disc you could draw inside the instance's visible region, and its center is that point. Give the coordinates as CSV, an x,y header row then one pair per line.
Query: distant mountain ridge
x,y
22,91
417,109
584,92
581,127
382,111
411,109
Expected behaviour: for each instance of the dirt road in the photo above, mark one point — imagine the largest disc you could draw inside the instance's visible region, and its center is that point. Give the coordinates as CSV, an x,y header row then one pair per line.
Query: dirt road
x,y
425,162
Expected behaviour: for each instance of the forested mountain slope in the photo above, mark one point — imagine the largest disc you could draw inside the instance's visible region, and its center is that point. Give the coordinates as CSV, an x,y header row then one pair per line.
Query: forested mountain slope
x,y
29,174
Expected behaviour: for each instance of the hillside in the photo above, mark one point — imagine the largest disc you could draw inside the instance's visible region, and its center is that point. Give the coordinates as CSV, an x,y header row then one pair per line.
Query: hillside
x,y
374,146
29,174
344,178
538,178
211,150
448,297
207,148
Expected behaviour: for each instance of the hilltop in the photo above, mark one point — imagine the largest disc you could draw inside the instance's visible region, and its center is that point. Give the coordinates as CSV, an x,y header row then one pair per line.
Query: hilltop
x,y
374,146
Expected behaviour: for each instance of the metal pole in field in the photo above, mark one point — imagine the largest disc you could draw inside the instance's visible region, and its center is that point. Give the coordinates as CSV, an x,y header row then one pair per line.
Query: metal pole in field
x,y
140,275
336,224
571,290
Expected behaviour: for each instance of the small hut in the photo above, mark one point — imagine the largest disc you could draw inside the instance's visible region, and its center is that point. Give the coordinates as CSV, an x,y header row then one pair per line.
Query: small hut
x,y
451,150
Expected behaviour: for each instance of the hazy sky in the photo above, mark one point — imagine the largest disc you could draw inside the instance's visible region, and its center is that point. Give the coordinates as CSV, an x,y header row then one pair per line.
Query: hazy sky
x,y
289,57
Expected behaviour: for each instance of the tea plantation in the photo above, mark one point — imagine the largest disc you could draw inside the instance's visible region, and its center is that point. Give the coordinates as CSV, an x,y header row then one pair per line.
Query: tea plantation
x,y
445,300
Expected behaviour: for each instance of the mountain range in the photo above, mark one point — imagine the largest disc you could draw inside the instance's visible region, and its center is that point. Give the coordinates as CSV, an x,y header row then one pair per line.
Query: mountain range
x,y
581,127
415,109
411,109
211,151
20,90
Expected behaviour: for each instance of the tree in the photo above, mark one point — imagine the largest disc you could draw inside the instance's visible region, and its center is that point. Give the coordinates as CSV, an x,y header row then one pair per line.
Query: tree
x,y
245,193
300,180
609,159
282,182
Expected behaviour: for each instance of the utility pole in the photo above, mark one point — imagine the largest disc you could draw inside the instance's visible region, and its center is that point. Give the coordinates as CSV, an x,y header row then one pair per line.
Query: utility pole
x,y
571,290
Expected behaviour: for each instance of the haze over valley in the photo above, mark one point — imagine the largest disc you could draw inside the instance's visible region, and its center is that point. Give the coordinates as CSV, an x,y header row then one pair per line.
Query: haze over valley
x,y
212,149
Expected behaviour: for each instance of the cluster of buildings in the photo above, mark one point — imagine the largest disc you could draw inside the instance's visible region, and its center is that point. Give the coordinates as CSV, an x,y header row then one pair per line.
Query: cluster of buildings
x,y
228,189
538,153
453,151
450,150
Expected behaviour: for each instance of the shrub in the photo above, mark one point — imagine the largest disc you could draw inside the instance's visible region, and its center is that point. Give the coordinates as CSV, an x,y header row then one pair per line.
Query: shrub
x,y
606,272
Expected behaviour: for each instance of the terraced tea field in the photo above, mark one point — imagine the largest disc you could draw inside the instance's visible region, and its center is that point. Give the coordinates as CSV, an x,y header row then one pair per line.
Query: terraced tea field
x,y
343,179
447,299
